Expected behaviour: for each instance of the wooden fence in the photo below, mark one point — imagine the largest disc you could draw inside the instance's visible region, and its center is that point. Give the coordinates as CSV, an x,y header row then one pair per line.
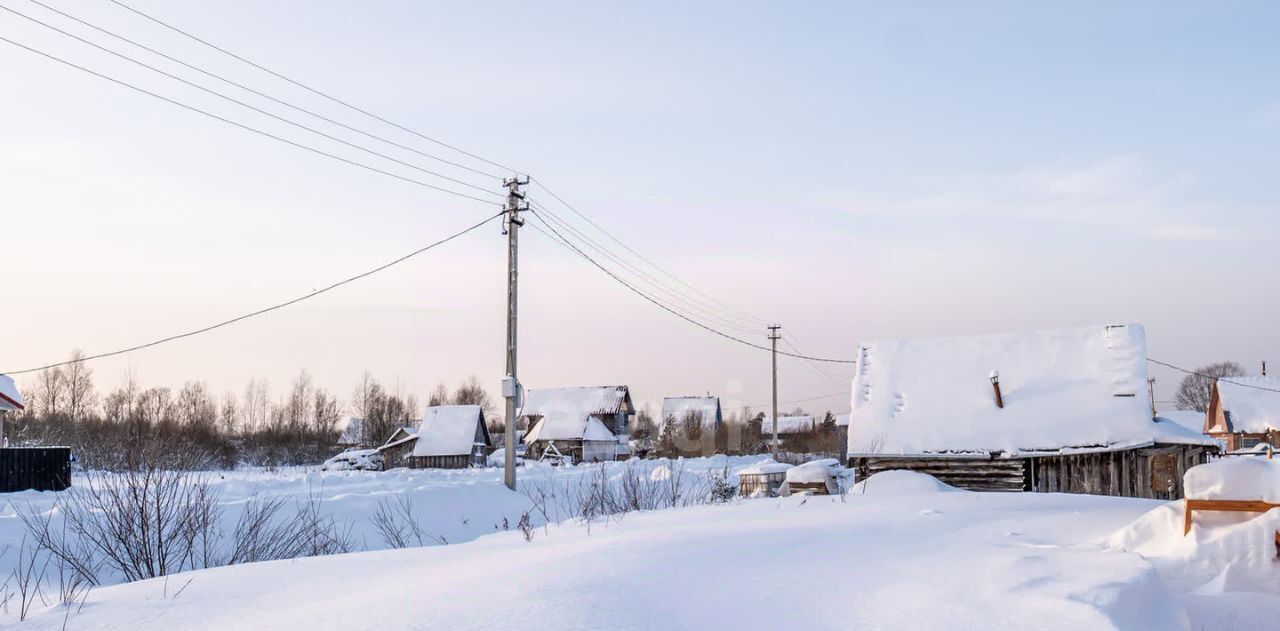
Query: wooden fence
x,y
35,468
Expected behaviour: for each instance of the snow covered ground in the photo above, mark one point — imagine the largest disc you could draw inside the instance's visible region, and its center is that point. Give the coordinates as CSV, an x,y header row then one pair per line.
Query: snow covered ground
x,y
900,551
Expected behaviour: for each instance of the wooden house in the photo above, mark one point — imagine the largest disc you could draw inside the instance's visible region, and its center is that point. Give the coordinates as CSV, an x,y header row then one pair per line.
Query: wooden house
x,y
10,401
588,424
397,449
1053,411
1244,412
450,437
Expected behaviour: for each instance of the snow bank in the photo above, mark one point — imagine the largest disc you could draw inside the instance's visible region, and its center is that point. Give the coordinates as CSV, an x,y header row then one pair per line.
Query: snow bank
x,y
902,482
1237,478
768,465
354,460
1223,553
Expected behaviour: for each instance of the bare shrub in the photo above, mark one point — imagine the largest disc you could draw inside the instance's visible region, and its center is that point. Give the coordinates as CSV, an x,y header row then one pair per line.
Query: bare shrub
x,y
398,526
28,576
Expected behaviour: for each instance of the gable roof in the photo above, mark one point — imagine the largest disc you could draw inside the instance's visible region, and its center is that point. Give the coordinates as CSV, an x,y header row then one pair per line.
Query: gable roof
x,y
788,425
1249,403
567,413
679,407
1070,389
842,420
10,398
449,430
1171,431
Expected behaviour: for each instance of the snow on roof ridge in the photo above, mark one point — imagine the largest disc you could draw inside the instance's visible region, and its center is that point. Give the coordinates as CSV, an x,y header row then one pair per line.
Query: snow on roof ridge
x,y
1250,404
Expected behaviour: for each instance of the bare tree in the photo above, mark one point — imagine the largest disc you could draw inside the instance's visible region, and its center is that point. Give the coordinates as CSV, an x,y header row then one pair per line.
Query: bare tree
x,y
1193,392
51,392
471,392
80,395
256,405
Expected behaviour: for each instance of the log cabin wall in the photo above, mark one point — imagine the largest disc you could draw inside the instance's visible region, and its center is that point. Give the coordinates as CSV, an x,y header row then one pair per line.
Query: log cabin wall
x,y
1150,472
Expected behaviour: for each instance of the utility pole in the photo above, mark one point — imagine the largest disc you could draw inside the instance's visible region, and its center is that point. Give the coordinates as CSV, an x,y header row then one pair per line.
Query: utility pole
x,y
511,385
773,339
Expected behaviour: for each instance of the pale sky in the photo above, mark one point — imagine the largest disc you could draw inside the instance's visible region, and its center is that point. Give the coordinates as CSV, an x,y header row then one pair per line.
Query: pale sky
x,y
854,171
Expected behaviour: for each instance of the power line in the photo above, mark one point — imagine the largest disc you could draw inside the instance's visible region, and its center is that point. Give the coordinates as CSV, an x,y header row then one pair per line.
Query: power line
x,y
311,89
817,398
1222,379
701,308
242,125
743,314
264,310
265,95
247,105
560,239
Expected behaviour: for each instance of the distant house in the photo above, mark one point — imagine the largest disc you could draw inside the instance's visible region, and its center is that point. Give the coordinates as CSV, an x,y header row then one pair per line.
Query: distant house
x,y
680,409
1244,412
395,451
450,437
789,428
353,435
1053,411
589,424
10,401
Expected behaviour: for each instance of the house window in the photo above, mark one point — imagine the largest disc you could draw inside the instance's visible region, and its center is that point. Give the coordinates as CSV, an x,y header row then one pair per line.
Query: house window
x,y
1249,443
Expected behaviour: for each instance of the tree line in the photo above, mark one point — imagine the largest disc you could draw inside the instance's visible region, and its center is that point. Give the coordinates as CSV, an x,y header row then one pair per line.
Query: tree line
x,y
117,429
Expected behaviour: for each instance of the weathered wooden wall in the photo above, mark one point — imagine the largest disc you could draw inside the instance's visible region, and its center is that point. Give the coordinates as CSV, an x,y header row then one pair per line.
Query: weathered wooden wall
x,y
1150,472
975,474
439,462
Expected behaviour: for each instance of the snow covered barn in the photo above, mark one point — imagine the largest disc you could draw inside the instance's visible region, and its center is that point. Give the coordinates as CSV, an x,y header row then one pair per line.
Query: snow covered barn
x,y
590,424
353,435
1052,411
682,409
1244,412
450,437
396,450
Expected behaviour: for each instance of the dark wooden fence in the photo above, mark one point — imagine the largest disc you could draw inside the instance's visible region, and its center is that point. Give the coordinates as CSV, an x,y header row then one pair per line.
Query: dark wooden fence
x,y
38,468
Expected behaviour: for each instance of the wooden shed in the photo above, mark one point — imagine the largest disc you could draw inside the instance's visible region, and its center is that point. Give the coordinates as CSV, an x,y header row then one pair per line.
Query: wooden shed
x,y
589,424
450,437
1244,412
397,449
1051,411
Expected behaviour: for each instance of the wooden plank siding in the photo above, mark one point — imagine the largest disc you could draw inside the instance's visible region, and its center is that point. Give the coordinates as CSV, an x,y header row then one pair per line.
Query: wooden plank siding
x,y
440,462
1150,472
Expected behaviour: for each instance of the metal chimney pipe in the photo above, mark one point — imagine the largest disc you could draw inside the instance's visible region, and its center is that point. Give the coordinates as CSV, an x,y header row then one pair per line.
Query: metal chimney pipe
x,y
995,385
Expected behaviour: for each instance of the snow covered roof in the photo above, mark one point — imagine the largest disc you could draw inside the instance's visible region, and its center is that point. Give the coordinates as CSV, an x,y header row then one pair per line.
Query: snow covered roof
x,y
1068,389
842,420
448,430
1170,432
567,413
788,425
679,407
1250,404
10,398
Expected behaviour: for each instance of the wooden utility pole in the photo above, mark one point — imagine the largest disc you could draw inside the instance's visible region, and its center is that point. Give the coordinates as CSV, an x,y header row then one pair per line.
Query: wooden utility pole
x,y
773,339
511,385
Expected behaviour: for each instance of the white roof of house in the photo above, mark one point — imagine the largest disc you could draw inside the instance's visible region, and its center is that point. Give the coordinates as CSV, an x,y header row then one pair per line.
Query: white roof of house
x,y
842,420
448,430
679,407
567,412
788,425
1250,404
1078,389
10,398
1170,432
1190,419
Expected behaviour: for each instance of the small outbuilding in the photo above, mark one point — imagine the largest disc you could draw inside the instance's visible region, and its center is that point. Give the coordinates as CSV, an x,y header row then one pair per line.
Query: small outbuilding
x,y
450,437
353,435
1050,411
1244,412
397,449
587,424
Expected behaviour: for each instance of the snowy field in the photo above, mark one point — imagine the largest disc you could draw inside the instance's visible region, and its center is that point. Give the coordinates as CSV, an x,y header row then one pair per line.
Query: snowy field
x,y
901,552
